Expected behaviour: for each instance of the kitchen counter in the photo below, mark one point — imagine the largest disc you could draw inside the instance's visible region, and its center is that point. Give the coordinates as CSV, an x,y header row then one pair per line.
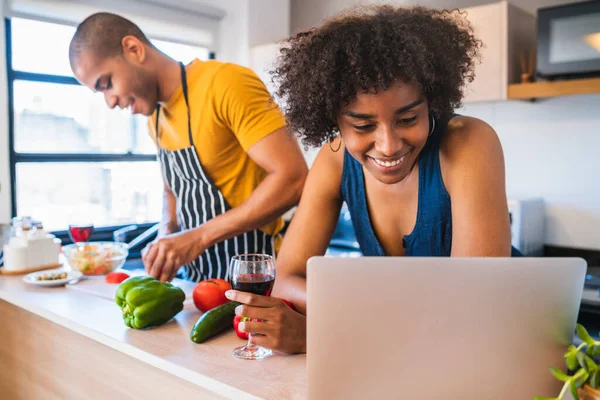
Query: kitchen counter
x,y
63,343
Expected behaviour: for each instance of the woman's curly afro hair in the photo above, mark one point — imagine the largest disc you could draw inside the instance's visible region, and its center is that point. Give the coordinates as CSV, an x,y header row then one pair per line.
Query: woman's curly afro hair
x,y
368,49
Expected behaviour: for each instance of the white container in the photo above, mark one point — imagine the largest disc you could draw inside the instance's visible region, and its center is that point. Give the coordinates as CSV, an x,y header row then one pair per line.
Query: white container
x,y
31,249
527,225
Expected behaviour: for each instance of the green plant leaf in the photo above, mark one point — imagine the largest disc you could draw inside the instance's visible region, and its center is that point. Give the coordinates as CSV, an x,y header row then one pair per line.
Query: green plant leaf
x,y
586,362
580,378
558,374
590,350
571,359
584,335
596,351
581,361
595,379
573,390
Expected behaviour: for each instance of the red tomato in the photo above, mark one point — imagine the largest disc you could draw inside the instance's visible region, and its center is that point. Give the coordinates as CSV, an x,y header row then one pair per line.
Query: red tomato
x,y
116,277
210,293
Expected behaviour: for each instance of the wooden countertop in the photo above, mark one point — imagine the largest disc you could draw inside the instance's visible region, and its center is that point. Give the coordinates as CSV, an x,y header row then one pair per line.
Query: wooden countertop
x,y
168,347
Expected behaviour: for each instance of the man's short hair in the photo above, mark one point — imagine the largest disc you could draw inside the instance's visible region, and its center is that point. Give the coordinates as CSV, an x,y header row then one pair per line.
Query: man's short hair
x,y
102,34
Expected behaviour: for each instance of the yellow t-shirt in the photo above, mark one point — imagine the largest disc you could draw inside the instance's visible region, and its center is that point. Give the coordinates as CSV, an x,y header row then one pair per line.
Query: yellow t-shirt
x,y
231,110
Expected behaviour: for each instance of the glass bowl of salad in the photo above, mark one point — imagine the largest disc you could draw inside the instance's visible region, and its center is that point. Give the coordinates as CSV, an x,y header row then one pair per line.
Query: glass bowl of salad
x,y
96,258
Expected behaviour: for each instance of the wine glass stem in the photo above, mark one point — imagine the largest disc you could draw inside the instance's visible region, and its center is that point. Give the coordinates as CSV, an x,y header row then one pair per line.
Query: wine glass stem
x,y
250,346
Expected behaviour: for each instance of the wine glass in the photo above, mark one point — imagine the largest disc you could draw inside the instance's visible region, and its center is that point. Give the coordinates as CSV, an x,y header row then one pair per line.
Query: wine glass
x,y
80,233
252,273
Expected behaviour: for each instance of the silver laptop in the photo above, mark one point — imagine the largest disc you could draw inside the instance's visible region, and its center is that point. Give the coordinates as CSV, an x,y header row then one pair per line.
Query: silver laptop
x,y
439,328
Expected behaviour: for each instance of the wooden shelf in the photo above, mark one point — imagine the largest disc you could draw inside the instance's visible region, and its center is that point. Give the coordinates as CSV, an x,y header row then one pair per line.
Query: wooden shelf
x,y
537,90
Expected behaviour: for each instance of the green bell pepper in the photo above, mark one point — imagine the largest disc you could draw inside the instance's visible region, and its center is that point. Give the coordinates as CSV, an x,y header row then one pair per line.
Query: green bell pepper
x,y
147,302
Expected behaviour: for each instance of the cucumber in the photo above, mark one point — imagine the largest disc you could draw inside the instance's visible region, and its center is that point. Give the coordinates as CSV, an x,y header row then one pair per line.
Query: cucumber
x,y
213,322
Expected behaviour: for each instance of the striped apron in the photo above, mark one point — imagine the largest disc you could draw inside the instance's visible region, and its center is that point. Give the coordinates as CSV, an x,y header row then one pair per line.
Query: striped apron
x,y
198,201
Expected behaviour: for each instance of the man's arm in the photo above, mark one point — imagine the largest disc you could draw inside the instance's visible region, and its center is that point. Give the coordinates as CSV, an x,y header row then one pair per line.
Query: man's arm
x,y
279,155
168,223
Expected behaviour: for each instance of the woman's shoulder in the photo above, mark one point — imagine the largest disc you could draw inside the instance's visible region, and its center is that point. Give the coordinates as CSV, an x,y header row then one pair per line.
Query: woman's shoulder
x,y
465,135
466,143
326,170
331,156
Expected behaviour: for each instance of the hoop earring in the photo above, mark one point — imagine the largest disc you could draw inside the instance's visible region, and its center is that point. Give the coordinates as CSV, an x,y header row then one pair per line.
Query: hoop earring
x,y
331,140
432,125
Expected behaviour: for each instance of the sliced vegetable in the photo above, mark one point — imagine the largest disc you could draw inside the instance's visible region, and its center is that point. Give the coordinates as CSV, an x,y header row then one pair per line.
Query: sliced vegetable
x,y
116,277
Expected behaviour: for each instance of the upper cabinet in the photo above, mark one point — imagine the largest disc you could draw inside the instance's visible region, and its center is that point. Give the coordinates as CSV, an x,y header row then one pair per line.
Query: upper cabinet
x,y
507,33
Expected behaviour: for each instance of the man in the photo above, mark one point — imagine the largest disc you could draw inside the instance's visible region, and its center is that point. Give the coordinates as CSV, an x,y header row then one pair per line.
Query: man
x,y
229,166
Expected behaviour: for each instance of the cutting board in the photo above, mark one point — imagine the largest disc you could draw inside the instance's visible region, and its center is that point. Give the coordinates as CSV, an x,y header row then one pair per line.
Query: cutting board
x,y
95,285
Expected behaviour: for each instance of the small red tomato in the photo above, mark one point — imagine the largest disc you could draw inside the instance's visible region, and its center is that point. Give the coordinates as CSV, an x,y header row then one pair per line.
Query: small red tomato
x,y
210,293
236,321
116,277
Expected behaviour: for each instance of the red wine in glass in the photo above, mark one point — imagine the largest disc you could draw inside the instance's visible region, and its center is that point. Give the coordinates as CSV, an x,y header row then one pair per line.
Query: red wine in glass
x,y
80,233
260,284
252,273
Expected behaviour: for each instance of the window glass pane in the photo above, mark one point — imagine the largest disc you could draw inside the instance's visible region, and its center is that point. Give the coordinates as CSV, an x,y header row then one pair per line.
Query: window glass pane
x,y
181,52
59,118
41,47
101,193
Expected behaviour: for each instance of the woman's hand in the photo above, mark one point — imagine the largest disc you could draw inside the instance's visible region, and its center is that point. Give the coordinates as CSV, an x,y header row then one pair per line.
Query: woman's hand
x,y
281,328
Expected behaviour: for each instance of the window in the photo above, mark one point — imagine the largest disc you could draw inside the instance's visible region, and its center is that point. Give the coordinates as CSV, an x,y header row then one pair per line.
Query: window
x,y
74,160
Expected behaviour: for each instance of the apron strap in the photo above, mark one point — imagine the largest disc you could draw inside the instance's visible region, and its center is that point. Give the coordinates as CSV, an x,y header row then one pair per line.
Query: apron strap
x,y
187,102
157,115
187,105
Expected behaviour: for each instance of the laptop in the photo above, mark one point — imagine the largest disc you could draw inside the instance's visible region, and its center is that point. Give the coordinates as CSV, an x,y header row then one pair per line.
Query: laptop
x,y
439,328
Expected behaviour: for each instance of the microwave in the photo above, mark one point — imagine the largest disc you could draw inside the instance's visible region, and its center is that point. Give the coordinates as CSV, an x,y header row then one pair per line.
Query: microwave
x,y
527,225
568,40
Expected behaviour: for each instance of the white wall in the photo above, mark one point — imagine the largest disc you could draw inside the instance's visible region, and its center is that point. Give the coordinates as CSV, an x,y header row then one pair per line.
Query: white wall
x,y
249,23
269,21
552,150
233,32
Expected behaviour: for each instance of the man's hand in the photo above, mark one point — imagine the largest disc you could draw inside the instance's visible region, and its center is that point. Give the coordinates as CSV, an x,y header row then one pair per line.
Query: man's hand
x,y
281,329
163,257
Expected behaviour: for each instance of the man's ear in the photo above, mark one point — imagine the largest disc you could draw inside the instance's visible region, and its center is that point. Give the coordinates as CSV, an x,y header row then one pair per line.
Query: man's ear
x,y
133,49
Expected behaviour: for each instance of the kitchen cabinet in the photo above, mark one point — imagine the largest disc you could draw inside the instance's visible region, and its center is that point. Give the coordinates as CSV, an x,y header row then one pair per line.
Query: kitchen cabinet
x,y
506,32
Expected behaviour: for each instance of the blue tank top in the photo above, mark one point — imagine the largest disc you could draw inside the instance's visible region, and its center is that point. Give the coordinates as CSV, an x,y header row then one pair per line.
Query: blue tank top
x,y
432,235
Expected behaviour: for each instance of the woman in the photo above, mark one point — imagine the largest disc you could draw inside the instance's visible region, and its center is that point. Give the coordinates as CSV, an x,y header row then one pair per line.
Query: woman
x,y
379,86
